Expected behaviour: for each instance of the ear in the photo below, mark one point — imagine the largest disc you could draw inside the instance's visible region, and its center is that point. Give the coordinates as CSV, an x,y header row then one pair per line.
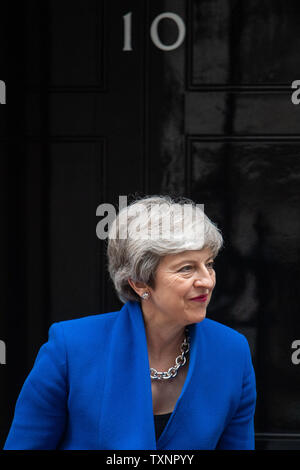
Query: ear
x,y
138,287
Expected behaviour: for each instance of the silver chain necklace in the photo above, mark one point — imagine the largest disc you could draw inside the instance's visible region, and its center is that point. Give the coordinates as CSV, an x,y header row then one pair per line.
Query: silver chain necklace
x,y
179,362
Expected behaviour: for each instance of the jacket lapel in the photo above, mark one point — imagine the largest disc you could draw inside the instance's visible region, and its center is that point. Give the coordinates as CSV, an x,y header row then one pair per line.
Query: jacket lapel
x,y
126,420
180,416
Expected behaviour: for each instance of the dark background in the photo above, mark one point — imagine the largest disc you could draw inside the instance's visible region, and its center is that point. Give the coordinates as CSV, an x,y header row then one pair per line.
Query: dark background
x,y
212,120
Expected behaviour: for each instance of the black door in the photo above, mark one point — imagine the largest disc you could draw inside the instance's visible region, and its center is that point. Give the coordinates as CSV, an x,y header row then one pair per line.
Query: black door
x,y
110,98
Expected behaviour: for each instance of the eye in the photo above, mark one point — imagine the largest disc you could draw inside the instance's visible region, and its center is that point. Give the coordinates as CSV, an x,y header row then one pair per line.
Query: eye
x,y
210,265
186,268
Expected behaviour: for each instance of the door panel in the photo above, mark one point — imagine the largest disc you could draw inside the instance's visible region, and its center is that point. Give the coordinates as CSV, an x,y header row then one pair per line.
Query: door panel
x,y
95,113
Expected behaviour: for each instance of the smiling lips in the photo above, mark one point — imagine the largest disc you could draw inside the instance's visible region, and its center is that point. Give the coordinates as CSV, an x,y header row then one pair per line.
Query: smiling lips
x,y
200,298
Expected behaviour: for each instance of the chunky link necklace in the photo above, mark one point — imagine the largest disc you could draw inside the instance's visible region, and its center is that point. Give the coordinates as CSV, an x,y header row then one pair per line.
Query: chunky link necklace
x,y
179,362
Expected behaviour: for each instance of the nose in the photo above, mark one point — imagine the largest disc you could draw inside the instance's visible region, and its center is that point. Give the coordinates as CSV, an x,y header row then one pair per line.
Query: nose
x,y
204,279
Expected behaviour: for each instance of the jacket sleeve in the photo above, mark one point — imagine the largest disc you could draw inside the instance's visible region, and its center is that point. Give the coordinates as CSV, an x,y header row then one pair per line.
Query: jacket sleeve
x,y
40,412
239,432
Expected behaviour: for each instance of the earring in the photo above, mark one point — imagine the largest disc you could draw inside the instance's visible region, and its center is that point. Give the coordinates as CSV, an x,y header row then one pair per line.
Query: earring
x,y
145,296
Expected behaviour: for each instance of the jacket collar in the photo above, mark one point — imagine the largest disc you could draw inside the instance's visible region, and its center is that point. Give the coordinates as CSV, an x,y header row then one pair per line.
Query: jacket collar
x,y
126,420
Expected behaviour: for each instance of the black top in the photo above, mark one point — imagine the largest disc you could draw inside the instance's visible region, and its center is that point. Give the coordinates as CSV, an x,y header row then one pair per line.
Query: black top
x,y
160,422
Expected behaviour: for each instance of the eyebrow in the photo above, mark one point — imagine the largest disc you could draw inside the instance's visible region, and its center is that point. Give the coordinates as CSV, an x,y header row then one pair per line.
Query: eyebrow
x,y
184,261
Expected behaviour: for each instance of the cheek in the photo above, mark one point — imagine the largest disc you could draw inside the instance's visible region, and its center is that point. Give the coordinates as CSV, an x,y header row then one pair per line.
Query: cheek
x,y
213,285
176,288
184,288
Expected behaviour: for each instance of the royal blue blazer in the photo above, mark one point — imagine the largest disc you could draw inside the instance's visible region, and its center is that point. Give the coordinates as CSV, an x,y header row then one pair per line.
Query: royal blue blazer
x,y
90,389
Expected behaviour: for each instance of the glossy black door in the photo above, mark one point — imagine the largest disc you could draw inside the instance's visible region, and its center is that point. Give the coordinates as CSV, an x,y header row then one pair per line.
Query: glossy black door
x,y
108,99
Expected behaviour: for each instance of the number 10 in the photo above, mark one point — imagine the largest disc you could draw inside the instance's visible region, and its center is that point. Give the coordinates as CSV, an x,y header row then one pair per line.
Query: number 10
x,y
127,20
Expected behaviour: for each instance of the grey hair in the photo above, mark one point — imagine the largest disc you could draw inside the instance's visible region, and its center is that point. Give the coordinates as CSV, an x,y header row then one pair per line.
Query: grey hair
x,y
137,257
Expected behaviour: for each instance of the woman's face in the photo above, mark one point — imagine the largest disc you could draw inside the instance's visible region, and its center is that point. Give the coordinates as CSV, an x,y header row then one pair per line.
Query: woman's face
x,y
183,287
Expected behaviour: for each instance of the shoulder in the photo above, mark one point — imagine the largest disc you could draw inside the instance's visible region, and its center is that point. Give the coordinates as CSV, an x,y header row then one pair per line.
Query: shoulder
x,y
83,329
224,338
226,350
218,328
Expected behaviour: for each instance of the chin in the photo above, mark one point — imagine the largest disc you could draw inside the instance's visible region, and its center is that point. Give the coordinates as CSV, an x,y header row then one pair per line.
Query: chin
x,y
200,317
196,317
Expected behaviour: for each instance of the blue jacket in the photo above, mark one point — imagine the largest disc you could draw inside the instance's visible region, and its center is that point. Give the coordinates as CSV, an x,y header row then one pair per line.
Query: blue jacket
x,y
90,388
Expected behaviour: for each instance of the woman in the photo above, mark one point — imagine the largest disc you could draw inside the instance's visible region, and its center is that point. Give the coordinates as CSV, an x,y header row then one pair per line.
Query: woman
x,y
157,374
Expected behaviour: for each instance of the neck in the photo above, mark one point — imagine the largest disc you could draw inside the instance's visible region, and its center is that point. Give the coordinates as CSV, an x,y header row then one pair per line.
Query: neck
x,y
163,339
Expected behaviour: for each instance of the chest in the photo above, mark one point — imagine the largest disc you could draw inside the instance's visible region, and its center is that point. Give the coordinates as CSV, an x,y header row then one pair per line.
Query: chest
x,y
165,393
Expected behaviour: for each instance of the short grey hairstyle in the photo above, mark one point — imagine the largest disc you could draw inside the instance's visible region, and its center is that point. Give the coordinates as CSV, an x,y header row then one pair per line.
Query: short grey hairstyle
x,y
136,258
